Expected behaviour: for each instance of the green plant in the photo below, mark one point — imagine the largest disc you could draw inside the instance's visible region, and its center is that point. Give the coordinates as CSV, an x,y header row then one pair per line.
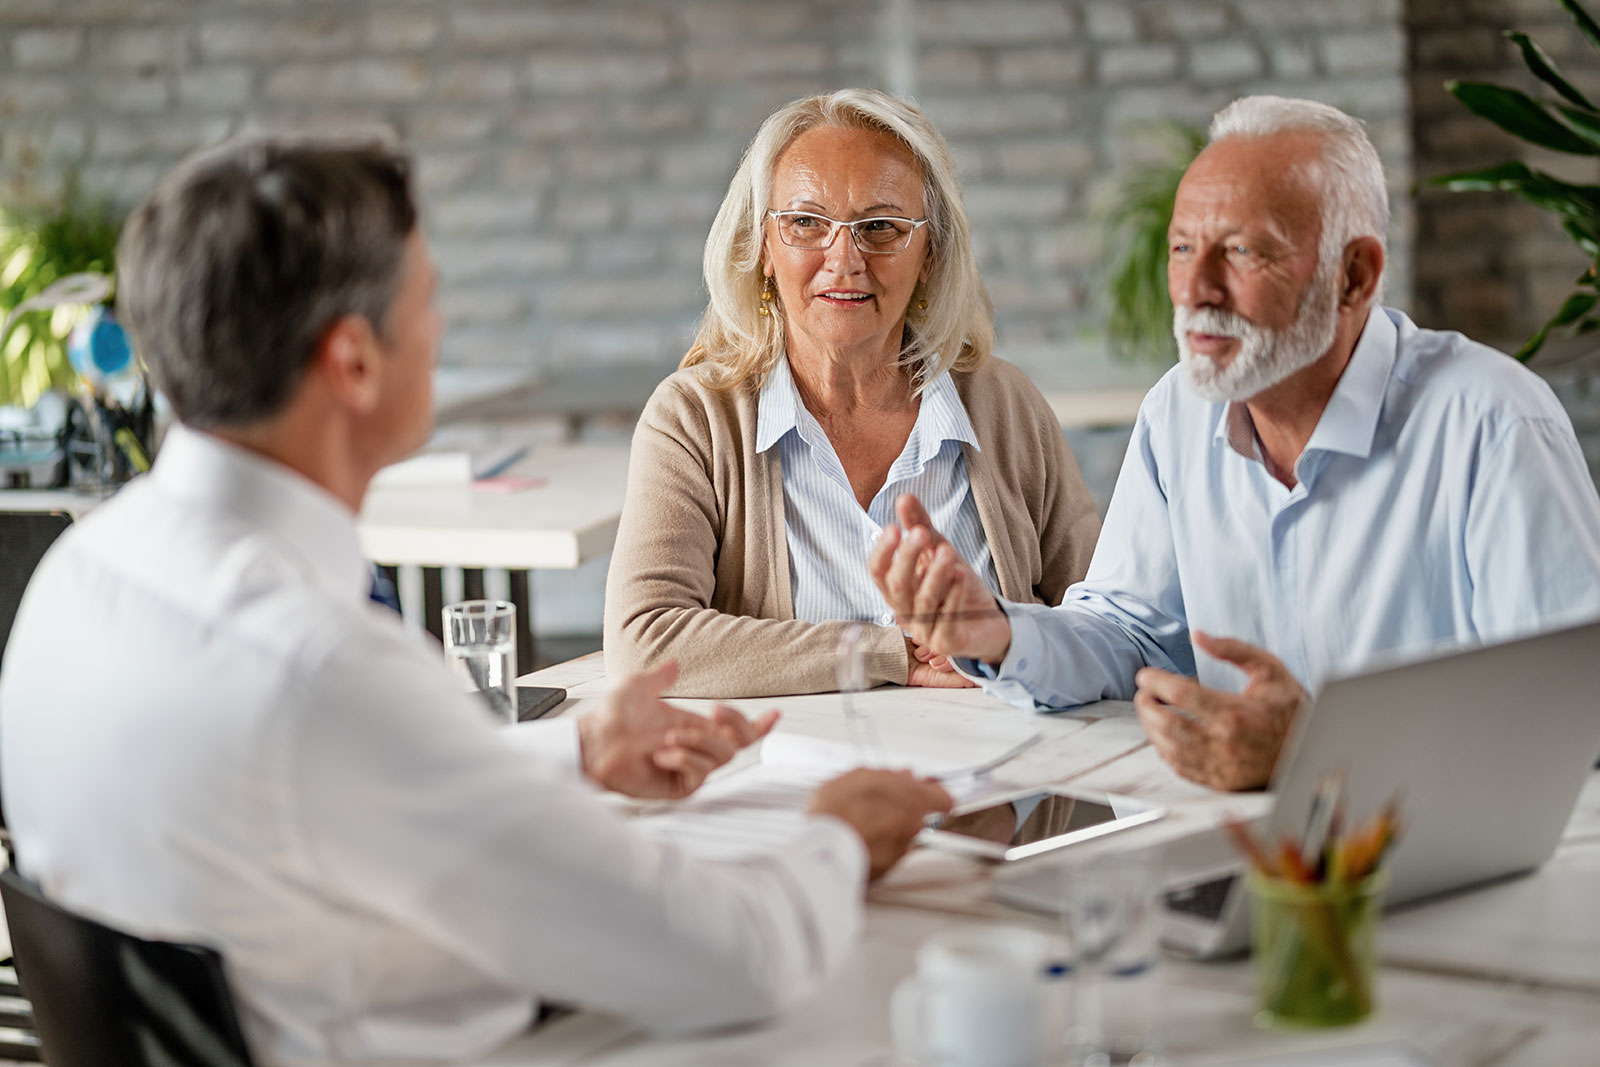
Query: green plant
x,y
1568,123
1138,309
41,241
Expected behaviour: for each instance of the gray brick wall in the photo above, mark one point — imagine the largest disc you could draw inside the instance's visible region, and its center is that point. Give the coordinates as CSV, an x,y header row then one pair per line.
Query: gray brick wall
x,y
1049,106
1488,264
1491,266
572,153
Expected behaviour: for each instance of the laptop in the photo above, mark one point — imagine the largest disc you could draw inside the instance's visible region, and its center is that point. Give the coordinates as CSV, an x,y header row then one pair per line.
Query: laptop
x,y
1487,748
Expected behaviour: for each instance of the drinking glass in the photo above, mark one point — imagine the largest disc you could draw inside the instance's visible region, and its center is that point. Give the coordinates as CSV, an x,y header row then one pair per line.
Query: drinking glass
x,y
850,670
1111,916
480,648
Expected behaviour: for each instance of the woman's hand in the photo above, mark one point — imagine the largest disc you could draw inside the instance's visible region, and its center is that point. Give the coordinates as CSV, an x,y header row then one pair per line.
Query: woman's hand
x,y
930,669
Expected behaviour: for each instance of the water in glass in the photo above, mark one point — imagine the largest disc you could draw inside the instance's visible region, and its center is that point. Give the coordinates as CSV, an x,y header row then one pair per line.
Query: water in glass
x,y
480,648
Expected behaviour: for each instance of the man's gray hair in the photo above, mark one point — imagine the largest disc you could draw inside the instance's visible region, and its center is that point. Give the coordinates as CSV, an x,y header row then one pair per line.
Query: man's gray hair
x,y
229,275
1355,198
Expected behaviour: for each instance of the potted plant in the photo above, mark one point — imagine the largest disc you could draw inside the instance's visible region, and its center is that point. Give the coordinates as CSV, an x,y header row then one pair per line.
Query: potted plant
x,y
1137,307
41,242
1566,121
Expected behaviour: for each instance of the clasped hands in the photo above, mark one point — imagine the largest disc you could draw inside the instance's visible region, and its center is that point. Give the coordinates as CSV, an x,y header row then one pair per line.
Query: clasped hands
x,y
1222,740
638,744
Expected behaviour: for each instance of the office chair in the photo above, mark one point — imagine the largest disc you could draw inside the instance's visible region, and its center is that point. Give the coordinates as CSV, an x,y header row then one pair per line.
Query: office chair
x,y
103,998
26,535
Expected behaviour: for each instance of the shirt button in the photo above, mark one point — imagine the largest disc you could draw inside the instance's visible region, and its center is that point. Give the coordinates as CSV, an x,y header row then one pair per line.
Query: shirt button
x,y
886,619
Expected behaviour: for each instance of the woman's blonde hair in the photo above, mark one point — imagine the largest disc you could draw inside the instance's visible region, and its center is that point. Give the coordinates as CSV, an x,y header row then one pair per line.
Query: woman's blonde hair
x,y
957,328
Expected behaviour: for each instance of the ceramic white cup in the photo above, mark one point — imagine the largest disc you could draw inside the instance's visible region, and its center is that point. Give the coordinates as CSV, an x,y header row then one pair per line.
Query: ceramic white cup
x,y
979,998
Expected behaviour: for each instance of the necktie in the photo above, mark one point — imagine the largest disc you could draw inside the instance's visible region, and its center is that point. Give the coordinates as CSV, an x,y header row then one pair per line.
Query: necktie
x,y
383,591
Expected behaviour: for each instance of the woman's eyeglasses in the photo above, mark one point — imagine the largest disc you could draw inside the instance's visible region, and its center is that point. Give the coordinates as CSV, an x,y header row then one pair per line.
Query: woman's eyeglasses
x,y
879,234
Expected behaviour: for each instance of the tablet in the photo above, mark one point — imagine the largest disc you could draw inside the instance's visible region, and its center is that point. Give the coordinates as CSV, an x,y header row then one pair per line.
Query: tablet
x,y
1033,823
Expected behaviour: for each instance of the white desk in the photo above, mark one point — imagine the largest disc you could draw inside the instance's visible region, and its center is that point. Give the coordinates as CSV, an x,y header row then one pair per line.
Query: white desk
x,y
1508,975
570,518
73,503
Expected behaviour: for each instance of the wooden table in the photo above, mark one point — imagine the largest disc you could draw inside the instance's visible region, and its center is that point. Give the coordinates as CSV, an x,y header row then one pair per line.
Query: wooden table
x,y
1504,975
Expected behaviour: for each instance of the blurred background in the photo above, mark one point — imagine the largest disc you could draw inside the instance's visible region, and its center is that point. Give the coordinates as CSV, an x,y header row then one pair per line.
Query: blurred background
x,y
572,155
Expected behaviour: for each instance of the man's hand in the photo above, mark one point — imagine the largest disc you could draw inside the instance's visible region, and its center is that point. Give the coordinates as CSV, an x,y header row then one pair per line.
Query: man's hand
x,y
936,596
1222,740
638,744
932,670
886,808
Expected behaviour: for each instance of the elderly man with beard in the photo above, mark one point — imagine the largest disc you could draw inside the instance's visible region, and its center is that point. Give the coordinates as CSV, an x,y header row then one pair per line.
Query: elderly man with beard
x,y
1321,480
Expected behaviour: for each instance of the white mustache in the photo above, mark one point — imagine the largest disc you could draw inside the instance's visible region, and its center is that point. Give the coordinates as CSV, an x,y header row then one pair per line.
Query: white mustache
x,y
1215,322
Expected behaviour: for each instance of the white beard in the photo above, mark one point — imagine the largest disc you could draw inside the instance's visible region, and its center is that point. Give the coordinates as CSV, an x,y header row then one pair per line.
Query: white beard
x,y
1264,356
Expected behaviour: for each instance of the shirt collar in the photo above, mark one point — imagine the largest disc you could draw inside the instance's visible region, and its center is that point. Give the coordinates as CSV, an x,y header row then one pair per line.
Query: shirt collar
x,y
1350,420
315,528
777,408
940,418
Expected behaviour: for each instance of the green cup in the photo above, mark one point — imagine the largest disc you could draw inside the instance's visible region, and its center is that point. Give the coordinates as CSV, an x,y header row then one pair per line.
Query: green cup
x,y
1315,951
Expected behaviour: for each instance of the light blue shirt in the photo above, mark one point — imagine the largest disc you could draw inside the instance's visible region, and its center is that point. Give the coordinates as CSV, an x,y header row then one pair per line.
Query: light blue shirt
x,y
829,535
1441,500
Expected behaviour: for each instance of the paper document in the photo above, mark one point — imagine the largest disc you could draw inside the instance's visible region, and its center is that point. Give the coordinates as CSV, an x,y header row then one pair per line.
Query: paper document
x,y
762,807
827,757
451,468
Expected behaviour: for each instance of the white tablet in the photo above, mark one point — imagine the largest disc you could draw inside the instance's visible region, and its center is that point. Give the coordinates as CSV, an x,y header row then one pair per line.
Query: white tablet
x,y
1017,827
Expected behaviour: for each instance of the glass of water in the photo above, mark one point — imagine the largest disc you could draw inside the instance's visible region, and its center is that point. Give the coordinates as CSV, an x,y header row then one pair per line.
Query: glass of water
x,y
1112,917
480,647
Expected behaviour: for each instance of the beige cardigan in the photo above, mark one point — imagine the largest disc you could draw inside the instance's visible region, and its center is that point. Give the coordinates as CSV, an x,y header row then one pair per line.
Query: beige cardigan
x,y
700,572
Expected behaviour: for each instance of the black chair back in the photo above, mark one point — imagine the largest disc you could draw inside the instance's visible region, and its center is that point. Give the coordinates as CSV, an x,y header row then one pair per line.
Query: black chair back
x,y
24,538
103,998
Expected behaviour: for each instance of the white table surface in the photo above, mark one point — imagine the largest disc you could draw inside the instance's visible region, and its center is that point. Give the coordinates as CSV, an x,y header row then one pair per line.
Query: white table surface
x,y
570,517
1503,975
567,519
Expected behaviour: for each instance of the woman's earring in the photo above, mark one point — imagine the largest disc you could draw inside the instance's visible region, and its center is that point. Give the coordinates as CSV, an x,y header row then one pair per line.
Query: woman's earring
x,y
769,293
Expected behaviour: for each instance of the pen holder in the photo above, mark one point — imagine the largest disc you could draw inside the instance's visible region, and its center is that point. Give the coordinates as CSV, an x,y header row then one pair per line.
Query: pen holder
x,y
1315,950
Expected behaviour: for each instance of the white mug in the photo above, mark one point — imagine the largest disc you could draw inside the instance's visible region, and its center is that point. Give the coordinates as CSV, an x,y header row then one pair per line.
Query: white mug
x,y
979,998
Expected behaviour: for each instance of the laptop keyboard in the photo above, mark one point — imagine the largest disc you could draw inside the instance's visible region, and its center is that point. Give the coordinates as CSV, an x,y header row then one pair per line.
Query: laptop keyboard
x,y
1202,899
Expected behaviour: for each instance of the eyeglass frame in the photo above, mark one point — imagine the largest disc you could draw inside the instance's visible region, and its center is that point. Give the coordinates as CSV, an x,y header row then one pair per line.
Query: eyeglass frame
x,y
833,234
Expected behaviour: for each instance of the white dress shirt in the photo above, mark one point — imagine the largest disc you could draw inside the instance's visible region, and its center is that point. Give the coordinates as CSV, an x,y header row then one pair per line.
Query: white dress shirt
x,y
1442,499
829,535
209,733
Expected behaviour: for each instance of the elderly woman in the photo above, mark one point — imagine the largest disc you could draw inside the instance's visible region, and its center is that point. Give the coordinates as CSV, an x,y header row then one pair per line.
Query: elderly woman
x,y
844,359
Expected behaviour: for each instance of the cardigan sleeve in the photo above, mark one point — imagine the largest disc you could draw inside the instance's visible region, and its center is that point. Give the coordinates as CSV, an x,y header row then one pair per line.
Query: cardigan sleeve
x,y
662,583
1068,519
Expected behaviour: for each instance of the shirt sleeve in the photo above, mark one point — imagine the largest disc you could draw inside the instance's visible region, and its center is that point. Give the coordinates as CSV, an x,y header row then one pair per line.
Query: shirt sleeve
x,y
1532,532
408,802
554,740
1126,613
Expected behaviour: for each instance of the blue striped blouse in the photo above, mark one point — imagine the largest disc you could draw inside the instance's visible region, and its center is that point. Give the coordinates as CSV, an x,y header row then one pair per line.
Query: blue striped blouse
x,y
829,535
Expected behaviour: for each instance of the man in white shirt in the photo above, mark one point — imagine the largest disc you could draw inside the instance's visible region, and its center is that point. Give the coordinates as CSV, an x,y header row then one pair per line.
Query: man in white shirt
x,y
209,732
1321,481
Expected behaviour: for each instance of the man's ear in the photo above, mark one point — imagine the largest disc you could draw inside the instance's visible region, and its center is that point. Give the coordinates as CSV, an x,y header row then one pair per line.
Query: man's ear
x,y
347,361
1363,267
